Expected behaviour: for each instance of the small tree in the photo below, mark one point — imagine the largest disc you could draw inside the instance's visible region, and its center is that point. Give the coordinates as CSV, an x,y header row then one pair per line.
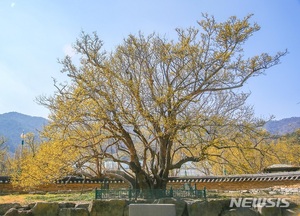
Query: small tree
x,y
51,161
4,166
286,149
155,104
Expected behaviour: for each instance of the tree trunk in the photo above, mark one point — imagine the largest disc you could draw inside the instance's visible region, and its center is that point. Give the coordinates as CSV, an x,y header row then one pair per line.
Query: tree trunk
x,y
145,181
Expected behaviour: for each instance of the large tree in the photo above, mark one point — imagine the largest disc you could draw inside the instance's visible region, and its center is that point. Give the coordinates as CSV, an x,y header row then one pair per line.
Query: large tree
x,y
156,104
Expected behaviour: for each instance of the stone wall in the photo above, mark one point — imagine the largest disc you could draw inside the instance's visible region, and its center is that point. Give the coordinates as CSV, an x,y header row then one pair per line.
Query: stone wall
x,y
225,183
246,185
121,208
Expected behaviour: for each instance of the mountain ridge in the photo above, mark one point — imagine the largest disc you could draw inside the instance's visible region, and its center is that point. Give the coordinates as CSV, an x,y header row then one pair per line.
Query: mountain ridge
x,y
13,124
283,126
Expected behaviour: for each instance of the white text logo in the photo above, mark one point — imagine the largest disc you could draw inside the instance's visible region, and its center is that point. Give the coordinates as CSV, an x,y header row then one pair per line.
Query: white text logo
x,y
249,202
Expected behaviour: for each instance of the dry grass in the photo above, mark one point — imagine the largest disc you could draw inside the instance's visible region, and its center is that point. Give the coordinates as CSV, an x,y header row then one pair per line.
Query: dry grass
x,y
14,199
24,199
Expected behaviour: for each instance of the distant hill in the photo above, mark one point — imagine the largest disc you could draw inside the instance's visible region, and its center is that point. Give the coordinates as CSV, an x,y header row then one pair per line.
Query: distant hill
x,y
283,126
13,124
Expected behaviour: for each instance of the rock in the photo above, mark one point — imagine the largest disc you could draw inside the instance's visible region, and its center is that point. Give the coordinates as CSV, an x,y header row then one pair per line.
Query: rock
x,y
16,212
73,212
290,212
66,205
26,213
12,212
180,205
269,211
4,207
107,207
208,208
126,210
279,207
45,209
31,205
82,205
240,212
27,207
194,208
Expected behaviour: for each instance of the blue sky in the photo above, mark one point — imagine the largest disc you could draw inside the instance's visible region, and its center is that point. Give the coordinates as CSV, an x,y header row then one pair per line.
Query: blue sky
x,y
34,34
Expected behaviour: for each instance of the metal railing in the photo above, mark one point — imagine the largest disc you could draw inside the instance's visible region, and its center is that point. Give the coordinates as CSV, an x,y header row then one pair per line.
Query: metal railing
x,y
130,194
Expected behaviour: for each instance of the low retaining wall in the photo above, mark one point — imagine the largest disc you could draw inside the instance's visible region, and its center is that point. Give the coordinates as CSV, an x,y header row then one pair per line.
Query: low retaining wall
x,y
121,208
